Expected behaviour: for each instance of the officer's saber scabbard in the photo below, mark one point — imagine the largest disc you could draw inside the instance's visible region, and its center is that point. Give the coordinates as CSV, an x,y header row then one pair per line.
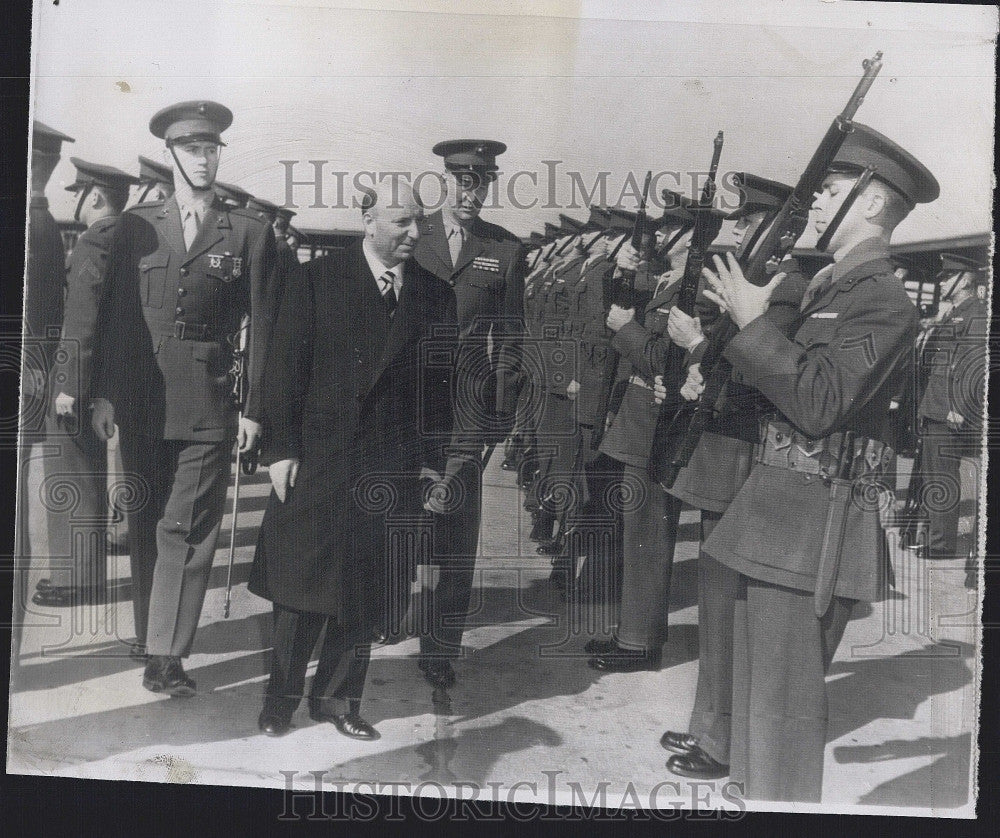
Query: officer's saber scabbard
x,y
833,539
232,538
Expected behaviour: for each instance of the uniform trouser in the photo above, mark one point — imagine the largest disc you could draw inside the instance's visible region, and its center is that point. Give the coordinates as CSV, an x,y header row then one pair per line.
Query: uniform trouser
x,y
455,542
648,546
781,654
339,681
558,442
173,530
711,717
77,471
942,461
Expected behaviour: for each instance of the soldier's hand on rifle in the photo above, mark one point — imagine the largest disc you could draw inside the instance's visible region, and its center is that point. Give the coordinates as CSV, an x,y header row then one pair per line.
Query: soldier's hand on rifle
x,y
955,420
102,419
573,389
744,301
283,474
629,258
65,404
618,317
684,330
248,434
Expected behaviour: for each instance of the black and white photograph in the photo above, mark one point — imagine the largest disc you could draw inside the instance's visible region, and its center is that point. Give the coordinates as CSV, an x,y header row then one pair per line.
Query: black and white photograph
x,y
578,404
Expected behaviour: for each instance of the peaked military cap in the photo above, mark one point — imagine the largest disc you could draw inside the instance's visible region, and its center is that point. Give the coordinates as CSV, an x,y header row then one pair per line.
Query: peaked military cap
x,y
186,121
233,193
285,212
152,172
621,220
472,156
552,232
952,263
570,226
48,139
758,194
893,164
599,219
536,240
94,174
265,208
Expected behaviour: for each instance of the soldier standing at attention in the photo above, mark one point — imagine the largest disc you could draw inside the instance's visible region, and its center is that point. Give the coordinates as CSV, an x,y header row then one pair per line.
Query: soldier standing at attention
x,y
182,275
804,532
282,220
484,264
77,535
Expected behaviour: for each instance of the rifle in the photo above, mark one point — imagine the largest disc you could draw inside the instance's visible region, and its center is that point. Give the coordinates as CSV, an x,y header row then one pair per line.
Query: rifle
x,y
624,297
789,224
707,224
246,464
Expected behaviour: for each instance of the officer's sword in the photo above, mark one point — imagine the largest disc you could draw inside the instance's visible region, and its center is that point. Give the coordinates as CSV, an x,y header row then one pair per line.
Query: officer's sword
x,y
238,342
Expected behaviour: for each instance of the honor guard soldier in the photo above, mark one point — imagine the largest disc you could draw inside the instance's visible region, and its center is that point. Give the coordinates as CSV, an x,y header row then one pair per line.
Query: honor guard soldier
x,y
484,263
183,274
282,225
804,532
951,408
156,181
232,196
650,526
718,468
77,537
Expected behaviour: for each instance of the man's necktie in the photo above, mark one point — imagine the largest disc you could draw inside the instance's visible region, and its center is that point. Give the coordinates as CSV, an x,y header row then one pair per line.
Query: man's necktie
x,y
191,222
388,291
456,238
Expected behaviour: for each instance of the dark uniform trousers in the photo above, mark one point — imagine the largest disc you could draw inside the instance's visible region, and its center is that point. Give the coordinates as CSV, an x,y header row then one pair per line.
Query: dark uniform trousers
x,y
174,520
77,471
781,650
943,449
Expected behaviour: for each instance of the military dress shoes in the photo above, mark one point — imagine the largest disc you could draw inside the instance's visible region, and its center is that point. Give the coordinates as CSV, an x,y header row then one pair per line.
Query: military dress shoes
x,y
679,743
599,647
165,674
438,673
350,724
273,724
620,659
697,764
60,596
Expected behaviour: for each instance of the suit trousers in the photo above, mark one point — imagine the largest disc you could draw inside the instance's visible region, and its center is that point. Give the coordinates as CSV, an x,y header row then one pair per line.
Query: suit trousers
x,y
781,654
648,547
174,520
942,461
455,543
77,472
711,717
339,681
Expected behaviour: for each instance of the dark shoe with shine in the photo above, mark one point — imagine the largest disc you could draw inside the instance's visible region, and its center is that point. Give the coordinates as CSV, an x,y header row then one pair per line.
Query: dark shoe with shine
x,y
137,651
349,724
438,673
43,585
542,529
679,743
620,659
56,597
599,647
510,464
698,765
165,674
271,724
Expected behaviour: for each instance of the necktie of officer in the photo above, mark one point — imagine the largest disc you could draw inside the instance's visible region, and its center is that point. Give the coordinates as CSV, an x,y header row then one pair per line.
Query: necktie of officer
x,y
456,238
387,281
190,223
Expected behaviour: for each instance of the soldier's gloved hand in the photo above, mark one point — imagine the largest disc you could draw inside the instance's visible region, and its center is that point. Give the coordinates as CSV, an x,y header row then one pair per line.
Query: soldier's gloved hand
x,y
283,474
955,420
694,386
684,330
65,405
248,434
573,389
618,317
102,419
629,259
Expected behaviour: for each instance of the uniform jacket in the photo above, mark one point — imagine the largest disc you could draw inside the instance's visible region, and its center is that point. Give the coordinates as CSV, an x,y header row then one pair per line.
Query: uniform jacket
x,y
555,340
488,282
73,372
592,300
161,385
849,352
955,363
645,347
344,392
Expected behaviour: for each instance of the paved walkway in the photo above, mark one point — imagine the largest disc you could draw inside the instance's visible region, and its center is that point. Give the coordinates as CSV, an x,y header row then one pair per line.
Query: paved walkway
x,y
526,708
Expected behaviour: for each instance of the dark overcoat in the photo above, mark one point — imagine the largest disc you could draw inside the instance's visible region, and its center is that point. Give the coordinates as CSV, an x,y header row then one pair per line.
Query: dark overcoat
x,y
362,400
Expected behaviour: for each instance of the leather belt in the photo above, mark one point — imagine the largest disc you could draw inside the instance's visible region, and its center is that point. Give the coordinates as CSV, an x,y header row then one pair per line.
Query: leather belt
x,y
785,447
189,331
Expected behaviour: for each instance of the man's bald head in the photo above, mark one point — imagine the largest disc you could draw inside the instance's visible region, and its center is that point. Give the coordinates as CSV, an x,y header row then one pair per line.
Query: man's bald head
x,y
391,212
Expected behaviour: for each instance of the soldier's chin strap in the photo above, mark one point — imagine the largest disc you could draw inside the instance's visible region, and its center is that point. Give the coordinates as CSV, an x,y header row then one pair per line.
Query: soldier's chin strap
x,y
145,192
823,242
668,244
84,192
180,168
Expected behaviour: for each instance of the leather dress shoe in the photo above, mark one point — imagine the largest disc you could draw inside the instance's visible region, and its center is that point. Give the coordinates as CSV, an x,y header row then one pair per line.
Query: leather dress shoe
x,y
271,724
679,743
438,673
552,547
620,659
64,596
349,724
599,647
165,673
43,584
510,464
697,764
